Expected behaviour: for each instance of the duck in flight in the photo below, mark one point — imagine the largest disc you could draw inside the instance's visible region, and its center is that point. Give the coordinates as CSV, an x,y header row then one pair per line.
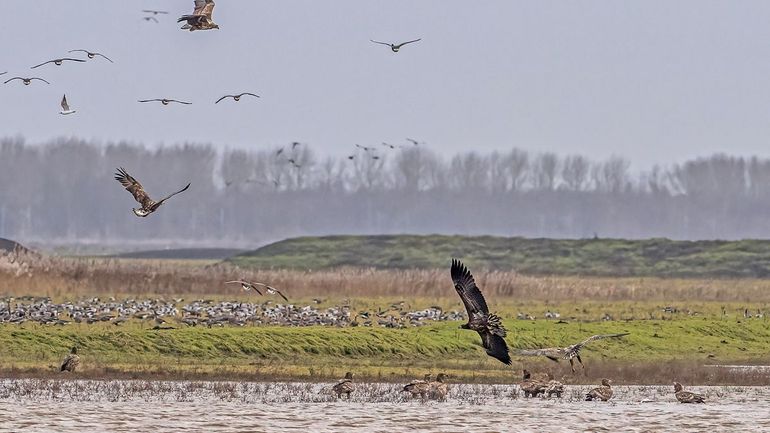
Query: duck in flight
x,y
489,326
91,54
237,97
135,188
65,107
58,62
26,81
201,17
250,285
395,47
570,352
165,101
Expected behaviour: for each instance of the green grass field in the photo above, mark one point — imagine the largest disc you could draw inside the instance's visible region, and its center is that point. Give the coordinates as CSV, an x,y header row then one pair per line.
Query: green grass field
x,y
591,257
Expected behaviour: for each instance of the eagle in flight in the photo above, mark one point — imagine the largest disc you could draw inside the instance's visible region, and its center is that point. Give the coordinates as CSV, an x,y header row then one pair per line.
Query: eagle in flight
x,y
200,18
135,188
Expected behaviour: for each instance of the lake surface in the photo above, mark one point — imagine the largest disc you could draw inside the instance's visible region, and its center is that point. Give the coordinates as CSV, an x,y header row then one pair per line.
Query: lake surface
x,y
159,406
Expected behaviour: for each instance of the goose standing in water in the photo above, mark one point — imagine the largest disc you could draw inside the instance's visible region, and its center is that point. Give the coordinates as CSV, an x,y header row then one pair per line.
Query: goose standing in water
x,y
65,107
602,393
71,361
419,387
395,47
687,396
438,388
570,352
345,386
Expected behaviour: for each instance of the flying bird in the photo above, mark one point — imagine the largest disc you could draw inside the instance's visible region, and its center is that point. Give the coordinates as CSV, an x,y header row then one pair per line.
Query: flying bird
x,y
250,285
392,146
279,152
154,12
395,47
71,361
602,393
90,54
3,73
26,81
570,352
58,62
351,157
415,142
201,17
236,97
687,396
135,188
489,326
367,149
165,101
65,107
150,19
294,144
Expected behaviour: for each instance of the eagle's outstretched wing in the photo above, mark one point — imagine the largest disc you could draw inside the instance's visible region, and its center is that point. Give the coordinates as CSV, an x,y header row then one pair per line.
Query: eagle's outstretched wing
x,y
160,202
467,289
597,337
550,353
496,347
208,8
134,187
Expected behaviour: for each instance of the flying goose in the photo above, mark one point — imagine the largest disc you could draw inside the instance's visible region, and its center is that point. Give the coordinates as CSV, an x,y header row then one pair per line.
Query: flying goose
x,y
419,387
395,47
201,17
26,81
489,326
165,101
90,54
602,393
250,285
71,361
687,396
237,97
345,386
135,188
154,12
58,62
65,107
570,352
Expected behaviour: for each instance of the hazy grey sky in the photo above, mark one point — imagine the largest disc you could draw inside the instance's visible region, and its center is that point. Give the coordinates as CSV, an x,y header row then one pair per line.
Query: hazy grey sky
x,y
654,81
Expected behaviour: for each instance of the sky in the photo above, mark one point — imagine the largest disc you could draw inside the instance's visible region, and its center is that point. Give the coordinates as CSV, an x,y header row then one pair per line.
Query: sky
x,y
652,81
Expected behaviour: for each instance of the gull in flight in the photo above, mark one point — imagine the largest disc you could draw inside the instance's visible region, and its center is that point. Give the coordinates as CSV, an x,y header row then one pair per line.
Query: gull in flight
x,y
237,97
58,62
65,107
395,47
165,101
26,81
90,54
250,285
135,188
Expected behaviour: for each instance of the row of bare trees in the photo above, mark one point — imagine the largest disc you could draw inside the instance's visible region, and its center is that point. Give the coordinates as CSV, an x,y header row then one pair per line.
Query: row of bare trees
x,y
63,192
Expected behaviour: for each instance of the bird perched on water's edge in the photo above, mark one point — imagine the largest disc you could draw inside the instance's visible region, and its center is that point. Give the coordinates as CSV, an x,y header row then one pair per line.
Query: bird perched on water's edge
x,y
602,393
26,81
65,107
165,101
201,17
135,188
345,386
687,396
395,47
237,97
91,54
419,387
58,62
531,387
438,388
71,361
570,352
489,326
251,285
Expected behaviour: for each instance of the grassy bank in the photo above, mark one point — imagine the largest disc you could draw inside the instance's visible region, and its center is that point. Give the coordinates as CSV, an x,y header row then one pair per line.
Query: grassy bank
x,y
594,257
655,350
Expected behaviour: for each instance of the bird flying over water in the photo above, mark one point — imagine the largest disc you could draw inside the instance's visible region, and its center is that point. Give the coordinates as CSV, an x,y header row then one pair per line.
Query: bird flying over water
x,y
570,352
201,17
250,285
26,81
71,361
165,101
395,47
489,326
236,97
135,188
58,62
65,107
91,54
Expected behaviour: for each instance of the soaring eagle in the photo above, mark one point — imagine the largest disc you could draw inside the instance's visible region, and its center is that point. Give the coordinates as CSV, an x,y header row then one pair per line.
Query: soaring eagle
x,y
395,47
570,352
489,326
135,188
71,361
200,18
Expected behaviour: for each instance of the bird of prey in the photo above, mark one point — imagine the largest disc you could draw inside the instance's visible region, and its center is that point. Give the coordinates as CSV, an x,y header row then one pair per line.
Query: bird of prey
x,y
154,12
135,188
419,387
26,81
602,393
489,326
345,386
71,361
91,54
148,19
570,352
251,285
237,97
165,101
65,107
687,396
58,62
201,17
395,47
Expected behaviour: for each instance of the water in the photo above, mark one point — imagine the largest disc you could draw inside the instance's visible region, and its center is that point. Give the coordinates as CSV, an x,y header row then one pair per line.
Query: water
x,y
132,406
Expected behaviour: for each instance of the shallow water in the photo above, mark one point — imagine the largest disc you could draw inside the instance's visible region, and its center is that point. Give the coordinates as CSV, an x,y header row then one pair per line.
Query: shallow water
x,y
132,406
